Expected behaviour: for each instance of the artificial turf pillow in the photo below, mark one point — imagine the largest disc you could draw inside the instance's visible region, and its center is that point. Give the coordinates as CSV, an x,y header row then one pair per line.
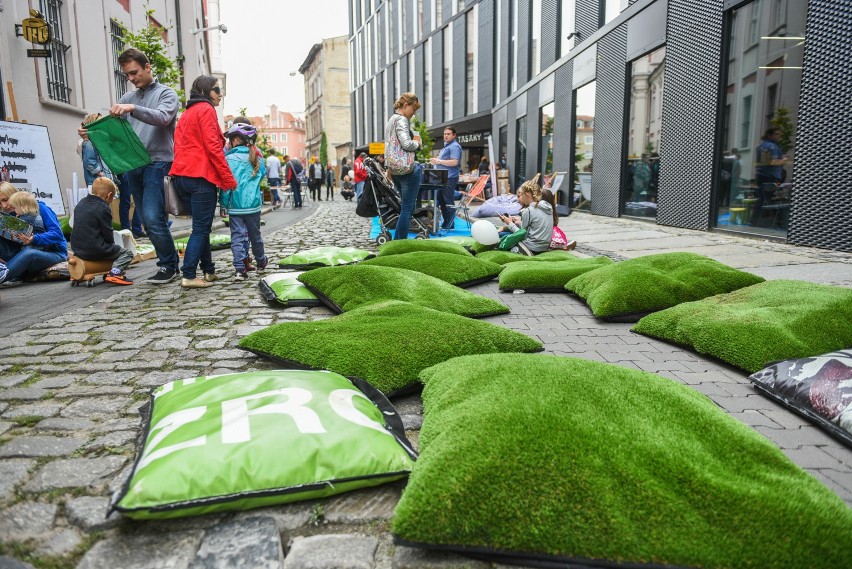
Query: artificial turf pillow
x,y
286,289
399,246
246,440
504,257
767,322
534,276
819,388
540,458
324,257
346,288
628,290
465,241
387,344
463,271
217,242
478,248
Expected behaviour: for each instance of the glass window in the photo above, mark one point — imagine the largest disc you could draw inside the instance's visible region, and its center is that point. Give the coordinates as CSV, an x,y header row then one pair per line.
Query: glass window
x,y
448,76
513,47
116,31
427,84
584,129
644,127
521,151
470,60
535,44
412,69
546,147
756,151
56,65
611,9
566,26
273,137
283,137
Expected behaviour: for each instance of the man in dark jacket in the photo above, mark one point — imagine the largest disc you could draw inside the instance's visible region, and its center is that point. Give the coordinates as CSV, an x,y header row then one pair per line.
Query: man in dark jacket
x,y
91,237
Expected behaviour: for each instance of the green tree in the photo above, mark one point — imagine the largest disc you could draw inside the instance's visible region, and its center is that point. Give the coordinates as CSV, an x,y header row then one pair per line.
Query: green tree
x,y
323,149
425,152
150,40
263,144
782,120
242,112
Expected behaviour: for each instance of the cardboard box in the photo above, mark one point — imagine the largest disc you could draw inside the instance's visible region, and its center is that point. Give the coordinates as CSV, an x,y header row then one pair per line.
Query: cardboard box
x,y
114,207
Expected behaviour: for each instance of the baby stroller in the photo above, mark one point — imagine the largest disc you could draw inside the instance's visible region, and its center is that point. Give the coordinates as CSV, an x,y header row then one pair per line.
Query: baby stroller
x,y
381,199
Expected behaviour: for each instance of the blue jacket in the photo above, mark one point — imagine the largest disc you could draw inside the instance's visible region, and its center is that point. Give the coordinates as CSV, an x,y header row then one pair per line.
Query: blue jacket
x,y
92,163
51,239
248,197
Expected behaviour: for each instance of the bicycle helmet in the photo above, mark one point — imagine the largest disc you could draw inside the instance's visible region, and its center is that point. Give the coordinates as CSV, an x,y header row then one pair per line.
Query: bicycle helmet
x,y
245,131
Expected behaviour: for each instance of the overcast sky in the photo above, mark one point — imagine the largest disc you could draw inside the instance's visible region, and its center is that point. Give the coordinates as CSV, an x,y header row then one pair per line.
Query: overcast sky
x,y
268,39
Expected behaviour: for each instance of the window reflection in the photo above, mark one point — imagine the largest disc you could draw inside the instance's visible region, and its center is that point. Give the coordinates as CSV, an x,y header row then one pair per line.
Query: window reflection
x,y
757,148
546,145
584,143
644,127
521,158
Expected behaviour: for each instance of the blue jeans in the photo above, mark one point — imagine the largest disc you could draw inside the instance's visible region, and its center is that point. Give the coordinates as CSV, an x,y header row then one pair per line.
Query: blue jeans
x,y
146,184
408,187
296,187
201,197
245,232
359,189
273,190
27,261
134,225
446,200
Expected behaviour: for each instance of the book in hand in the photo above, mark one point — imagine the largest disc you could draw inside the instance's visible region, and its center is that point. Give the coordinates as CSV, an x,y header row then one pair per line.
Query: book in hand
x,y
11,227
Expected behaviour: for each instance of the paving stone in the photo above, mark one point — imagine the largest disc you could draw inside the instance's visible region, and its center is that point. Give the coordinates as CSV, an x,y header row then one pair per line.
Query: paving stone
x,y
59,542
63,349
26,520
61,338
413,558
111,378
5,427
213,343
173,550
248,542
178,343
158,378
3,406
287,516
33,410
23,394
12,380
10,563
90,513
13,472
61,424
366,505
74,473
332,552
54,382
114,439
100,391
40,446
95,407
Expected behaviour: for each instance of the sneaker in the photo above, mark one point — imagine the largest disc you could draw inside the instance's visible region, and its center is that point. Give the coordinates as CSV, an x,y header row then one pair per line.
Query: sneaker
x,y
571,245
163,276
210,277
10,284
117,277
247,264
194,283
140,235
261,265
241,275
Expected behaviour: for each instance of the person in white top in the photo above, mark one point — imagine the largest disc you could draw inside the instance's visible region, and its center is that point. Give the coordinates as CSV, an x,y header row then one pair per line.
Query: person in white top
x,y
273,176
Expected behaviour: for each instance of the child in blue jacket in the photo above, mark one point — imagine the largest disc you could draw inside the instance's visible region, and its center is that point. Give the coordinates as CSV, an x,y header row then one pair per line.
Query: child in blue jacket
x,y
243,204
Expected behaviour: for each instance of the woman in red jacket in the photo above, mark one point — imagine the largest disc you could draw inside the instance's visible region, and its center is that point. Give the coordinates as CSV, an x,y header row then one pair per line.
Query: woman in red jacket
x,y
198,169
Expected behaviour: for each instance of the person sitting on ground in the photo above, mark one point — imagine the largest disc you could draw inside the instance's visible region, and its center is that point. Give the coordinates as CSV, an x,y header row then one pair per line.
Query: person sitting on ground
x,y
346,191
537,217
23,261
92,237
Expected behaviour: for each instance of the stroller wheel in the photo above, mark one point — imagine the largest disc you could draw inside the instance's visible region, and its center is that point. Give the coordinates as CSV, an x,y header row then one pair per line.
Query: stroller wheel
x,y
383,238
422,235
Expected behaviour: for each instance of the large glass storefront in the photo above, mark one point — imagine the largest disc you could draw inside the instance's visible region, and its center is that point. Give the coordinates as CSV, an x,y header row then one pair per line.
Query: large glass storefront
x,y
545,150
584,143
644,129
766,41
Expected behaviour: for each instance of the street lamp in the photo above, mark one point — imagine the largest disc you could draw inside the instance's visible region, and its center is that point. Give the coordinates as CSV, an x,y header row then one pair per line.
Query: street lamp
x,y
221,27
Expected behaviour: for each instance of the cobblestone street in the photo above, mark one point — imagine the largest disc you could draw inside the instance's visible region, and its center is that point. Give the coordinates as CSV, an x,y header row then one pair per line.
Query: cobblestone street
x,y
71,389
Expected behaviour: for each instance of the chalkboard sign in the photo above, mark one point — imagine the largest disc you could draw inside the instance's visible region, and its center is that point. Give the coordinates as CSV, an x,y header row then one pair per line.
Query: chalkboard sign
x,y
26,154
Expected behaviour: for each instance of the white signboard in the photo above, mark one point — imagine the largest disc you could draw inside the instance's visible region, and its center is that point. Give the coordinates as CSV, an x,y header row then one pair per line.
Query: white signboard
x,y
585,67
26,153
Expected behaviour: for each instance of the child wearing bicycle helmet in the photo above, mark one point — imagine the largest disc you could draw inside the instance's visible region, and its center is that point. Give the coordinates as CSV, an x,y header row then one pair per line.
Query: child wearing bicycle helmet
x,y
244,203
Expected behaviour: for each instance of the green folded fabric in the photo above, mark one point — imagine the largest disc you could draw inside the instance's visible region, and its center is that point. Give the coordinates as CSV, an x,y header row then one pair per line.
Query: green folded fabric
x,y
543,458
387,344
628,290
535,276
458,270
767,322
118,144
286,289
352,286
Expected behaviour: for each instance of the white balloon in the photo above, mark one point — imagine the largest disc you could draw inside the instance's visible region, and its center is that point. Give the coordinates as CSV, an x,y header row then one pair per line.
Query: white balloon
x,y
484,232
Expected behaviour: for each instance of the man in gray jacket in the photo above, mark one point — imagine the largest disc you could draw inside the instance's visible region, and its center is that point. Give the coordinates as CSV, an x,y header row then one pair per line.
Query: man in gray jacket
x,y
152,112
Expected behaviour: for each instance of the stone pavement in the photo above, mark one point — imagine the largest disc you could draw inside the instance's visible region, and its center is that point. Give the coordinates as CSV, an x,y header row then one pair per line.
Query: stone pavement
x,y
71,390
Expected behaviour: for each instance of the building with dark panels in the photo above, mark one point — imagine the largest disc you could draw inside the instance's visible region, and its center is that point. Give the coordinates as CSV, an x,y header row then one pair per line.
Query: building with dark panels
x,y
655,109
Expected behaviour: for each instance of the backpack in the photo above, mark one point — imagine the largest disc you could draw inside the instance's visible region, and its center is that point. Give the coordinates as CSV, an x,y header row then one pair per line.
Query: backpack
x,y
367,206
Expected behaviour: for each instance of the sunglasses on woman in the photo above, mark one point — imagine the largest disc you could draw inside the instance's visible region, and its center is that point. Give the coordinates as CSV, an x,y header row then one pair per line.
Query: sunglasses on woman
x,y
217,90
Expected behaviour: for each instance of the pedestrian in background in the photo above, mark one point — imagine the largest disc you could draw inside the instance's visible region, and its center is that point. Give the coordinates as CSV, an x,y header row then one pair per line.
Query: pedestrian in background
x,y
449,159
359,175
329,183
273,178
315,179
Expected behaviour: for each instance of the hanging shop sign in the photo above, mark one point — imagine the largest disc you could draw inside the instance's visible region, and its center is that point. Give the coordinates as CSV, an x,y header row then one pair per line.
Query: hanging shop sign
x,y
34,29
376,148
473,138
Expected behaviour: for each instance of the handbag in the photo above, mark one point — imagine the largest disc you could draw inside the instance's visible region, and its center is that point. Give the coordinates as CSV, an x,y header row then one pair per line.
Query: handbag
x,y
171,199
399,160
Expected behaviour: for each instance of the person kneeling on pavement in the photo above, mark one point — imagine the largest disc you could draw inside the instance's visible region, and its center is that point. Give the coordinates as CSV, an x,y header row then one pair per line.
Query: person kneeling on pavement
x,y
92,237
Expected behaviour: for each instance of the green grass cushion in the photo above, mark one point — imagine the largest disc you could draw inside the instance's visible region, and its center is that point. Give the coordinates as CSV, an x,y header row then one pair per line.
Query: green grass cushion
x,y
540,455
535,276
387,344
463,271
286,289
465,241
478,248
346,288
767,322
399,246
505,257
324,257
630,289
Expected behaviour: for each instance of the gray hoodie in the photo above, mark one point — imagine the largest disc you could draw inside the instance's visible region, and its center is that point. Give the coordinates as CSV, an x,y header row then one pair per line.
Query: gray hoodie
x,y
154,119
537,219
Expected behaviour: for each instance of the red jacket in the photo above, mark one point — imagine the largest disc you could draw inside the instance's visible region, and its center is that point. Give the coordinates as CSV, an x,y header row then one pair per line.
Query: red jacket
x,y
360,170
198,146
